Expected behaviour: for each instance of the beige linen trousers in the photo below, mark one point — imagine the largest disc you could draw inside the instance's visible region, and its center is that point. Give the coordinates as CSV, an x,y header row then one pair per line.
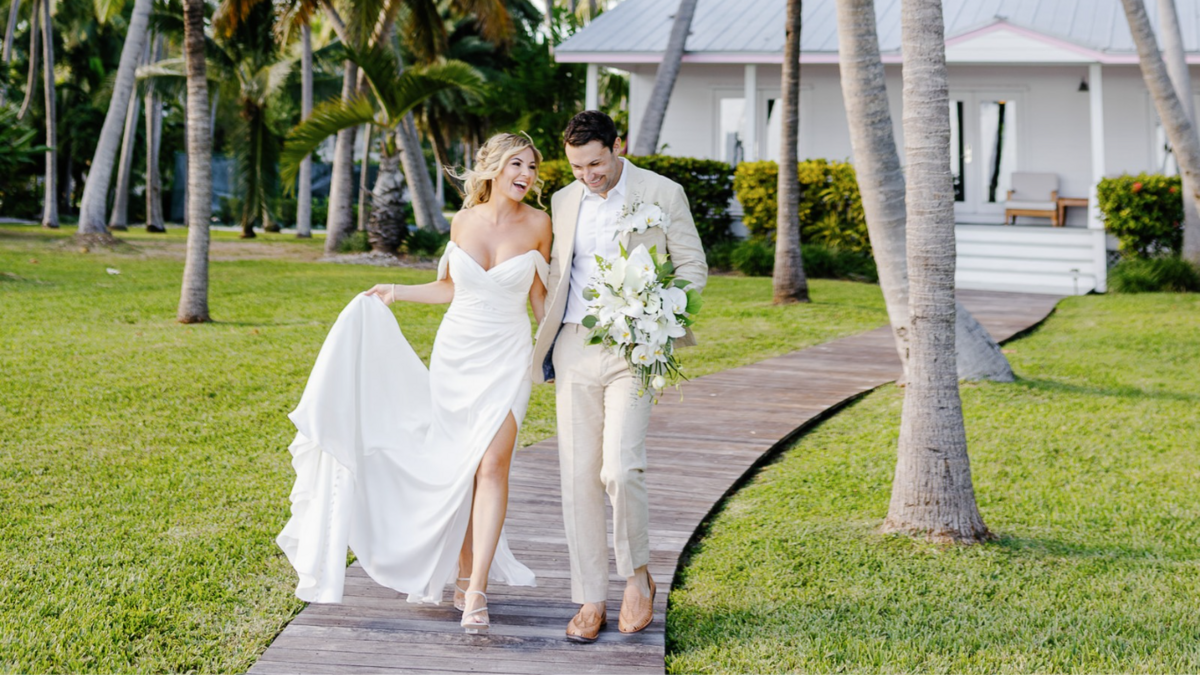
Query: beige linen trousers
x,y
602,421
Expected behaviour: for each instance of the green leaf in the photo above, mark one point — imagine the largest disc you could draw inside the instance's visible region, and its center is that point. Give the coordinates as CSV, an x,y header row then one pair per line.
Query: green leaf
x,y
327,119
694,301
590,321
590,293
107,9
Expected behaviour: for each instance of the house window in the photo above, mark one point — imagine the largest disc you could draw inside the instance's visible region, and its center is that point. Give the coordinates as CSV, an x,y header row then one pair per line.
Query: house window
x,y
958,149
998,137
731,125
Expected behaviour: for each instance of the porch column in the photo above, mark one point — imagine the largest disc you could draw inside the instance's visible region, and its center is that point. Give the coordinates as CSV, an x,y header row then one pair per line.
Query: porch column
x,y
750,135
592,97
1095,223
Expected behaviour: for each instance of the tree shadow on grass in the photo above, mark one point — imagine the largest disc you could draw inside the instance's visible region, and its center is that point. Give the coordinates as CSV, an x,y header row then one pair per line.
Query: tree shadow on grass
x,y
1115,392
1047,547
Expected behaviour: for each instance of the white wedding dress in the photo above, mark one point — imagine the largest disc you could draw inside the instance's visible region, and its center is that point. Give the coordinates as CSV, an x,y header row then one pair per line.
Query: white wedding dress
x,y
386,451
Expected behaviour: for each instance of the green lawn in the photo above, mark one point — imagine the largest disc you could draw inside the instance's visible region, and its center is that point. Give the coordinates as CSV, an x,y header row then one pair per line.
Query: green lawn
x,y
1087,469
143,464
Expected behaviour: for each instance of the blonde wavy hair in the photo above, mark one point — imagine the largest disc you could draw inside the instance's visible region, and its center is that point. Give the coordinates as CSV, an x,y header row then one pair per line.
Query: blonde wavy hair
x,y
490,161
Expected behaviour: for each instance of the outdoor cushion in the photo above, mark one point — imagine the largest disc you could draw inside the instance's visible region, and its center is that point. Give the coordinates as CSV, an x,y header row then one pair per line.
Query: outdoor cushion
x,y
1030,187
1030,206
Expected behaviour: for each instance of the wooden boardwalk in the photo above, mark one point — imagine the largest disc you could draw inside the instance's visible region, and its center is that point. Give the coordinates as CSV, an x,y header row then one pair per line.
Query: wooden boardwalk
x,y
698,450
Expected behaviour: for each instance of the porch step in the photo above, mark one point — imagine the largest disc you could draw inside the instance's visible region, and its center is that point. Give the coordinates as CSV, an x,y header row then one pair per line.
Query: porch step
x,y
1026,259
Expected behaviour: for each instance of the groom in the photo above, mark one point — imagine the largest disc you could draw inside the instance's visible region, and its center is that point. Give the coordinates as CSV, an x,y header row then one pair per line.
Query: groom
x,y
602,420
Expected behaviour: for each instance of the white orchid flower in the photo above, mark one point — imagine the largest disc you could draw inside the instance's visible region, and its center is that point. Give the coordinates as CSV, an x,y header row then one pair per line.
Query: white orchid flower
x,y
615,274
621,333
658,382
674,300
642,356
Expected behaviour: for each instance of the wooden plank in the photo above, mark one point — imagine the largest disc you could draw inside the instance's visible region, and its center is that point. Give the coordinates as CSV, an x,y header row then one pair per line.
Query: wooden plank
x,y
697,448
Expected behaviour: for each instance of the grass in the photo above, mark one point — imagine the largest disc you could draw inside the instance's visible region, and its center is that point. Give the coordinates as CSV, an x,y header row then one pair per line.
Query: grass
x,y
1086,468
143,464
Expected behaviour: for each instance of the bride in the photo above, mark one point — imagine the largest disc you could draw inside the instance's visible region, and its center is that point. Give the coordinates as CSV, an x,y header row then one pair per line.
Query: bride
x,y
407,466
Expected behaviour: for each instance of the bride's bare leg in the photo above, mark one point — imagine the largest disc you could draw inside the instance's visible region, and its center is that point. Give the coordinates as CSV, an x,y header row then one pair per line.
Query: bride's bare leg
x,y
464,567
489,507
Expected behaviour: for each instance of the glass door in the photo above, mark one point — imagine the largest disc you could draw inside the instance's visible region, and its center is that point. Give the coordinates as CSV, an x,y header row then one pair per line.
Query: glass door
x,y
984,129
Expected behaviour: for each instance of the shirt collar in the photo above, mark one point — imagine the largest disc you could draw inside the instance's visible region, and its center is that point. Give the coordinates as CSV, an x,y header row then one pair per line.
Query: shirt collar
x,y
617,191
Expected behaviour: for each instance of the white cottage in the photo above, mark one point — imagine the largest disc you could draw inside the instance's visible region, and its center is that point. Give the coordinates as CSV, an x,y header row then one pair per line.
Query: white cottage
x,y
1036,86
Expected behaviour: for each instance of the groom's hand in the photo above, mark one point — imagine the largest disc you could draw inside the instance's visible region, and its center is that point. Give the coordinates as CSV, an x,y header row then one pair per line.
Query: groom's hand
x,y
385,292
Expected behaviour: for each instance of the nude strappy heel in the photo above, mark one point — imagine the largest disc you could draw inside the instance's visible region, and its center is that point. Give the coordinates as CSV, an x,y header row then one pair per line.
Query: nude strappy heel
x,y
460,594
476,627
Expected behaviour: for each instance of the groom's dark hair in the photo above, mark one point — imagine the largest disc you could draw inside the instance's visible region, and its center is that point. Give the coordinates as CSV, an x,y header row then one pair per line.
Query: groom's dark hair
x,y
588,126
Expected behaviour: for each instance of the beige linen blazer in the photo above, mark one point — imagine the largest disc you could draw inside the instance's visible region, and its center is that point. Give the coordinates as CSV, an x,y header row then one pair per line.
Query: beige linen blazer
x,y
680,240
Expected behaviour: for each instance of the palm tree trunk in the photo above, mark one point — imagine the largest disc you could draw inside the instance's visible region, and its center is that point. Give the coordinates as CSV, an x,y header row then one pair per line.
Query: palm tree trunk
x,y
50,200
550,26
386,229
364,180
881,184
95,191
154,214
664,80
790,284
932,493
1177,69
118,220
31,76
340,221
193,299
6,54
425,207
304,194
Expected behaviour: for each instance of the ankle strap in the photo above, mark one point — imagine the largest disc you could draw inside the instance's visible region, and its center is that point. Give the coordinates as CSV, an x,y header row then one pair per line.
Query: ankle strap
x,y
477,593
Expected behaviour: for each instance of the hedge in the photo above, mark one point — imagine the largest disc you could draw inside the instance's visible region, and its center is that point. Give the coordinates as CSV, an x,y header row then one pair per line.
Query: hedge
x,y
830,205
707,183
1145,212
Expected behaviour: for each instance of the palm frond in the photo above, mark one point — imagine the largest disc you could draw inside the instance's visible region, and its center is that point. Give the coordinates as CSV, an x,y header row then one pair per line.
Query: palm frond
x,y
420,82
230,15
492,17
107,9
327,119
398,92
423,30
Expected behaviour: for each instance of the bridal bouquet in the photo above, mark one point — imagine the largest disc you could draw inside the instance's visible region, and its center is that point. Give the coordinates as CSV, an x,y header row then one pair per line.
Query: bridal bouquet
x,y
637,307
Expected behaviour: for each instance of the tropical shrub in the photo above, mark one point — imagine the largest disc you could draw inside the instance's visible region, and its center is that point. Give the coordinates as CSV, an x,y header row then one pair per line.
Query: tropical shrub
x,y
20,196
707,183
1165,274
355,242
755,257
424,242
830,205
1145,212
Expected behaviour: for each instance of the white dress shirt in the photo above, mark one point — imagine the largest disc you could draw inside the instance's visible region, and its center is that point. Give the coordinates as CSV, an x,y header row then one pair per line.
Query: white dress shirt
x,y
595,234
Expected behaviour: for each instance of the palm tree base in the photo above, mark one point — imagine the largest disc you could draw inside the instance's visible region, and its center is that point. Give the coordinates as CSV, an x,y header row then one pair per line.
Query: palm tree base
x,y
938,535
118,228
157,229
97,240
247,234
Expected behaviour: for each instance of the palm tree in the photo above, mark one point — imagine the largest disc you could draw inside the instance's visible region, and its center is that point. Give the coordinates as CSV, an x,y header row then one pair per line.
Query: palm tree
x,y
95,191
1177,69
50,201
304,199
790,284
664,81
393,93
6,52
193,299
932,493
154,113
881,183
118,220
